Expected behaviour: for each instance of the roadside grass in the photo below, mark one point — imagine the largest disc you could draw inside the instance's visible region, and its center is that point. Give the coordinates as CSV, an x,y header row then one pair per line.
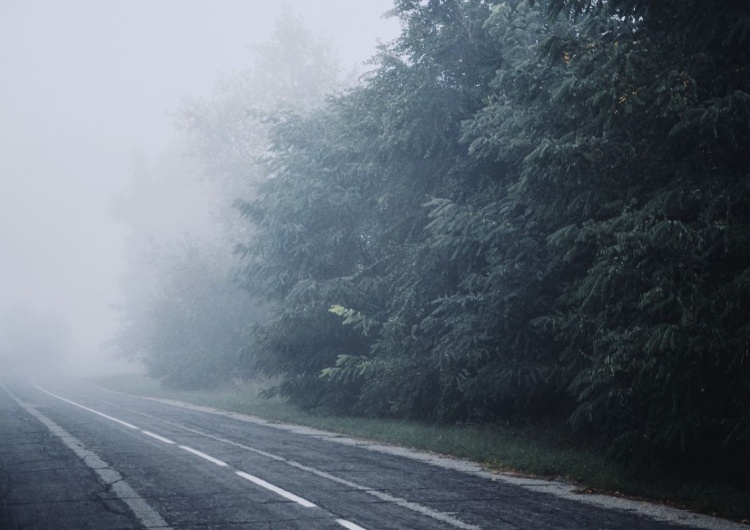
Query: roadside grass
x,y
532,451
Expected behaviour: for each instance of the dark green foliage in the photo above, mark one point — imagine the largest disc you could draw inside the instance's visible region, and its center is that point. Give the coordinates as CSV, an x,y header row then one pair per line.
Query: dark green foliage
x,y
666,296
345,209
486,331
635,163
525,211
304,251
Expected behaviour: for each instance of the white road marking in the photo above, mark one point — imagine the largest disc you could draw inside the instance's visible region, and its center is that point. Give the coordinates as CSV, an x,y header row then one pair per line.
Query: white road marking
x,y
276,489
160,438
349,525
204,456
143,511
413,506
409,505
252,478
557,488
126,424
247,476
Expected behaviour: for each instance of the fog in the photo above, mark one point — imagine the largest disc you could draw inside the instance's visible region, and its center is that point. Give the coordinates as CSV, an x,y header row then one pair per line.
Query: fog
x,y
87,98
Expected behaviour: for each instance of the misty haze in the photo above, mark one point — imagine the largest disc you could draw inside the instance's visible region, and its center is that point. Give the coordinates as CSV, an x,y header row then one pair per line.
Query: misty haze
x,y
365,264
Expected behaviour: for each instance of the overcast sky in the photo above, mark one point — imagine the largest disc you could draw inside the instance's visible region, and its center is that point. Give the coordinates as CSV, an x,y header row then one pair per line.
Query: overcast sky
x,y
83,84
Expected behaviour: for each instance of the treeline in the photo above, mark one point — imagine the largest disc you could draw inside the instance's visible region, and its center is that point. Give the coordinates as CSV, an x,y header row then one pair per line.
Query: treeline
x,y
525,211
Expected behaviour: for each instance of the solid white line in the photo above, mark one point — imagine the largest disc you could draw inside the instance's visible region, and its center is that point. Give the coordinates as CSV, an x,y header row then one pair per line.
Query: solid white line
x,y
160,438
262,483
348,524
126,424
204,455
143,511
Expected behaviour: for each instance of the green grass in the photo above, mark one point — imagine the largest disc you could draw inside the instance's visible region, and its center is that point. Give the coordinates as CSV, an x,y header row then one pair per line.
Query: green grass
x,y
545,452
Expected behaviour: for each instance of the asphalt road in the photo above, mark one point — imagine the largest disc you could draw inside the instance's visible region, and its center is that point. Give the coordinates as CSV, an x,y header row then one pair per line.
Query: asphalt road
x,y
74,456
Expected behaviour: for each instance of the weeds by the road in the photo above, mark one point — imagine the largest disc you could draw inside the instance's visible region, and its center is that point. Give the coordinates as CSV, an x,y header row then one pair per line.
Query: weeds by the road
x,y
532,451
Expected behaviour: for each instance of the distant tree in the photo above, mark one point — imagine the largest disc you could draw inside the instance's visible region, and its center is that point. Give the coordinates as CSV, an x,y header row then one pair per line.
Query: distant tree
x,y
305,244
158,206
185,314
199,321
292,74
227,133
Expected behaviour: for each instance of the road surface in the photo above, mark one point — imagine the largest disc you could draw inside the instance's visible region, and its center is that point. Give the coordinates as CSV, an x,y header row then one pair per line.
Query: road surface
x,y
74,456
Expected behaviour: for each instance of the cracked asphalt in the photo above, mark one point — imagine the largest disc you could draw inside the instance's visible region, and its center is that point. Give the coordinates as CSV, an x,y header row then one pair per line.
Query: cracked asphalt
x,y
73,456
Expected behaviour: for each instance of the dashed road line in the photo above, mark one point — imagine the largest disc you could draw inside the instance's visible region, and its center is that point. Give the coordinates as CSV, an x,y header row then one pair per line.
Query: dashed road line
x,y
204,456
413,506
560,489
398,501
403,503
349,525
252,478
154,435
287,495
